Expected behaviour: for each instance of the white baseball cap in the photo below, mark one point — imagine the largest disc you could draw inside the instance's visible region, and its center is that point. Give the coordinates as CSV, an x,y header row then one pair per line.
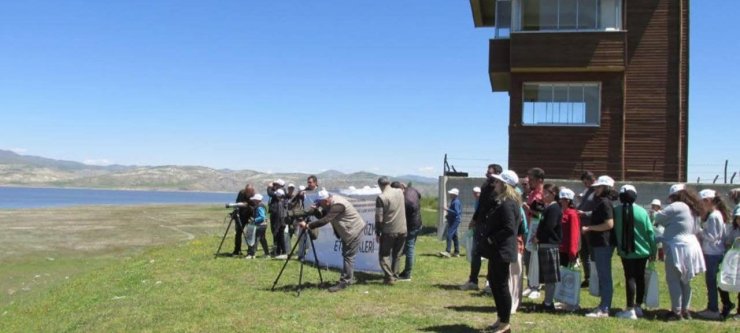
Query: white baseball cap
x,y
322,195
675,188
256,197
280,193
291,185
454,191
508,177
603,181
626,188
707,194
476,189
280,182
566,193
655,202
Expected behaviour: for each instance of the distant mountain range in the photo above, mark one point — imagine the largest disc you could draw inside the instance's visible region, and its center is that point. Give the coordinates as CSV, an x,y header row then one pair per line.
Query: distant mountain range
x,y
23,170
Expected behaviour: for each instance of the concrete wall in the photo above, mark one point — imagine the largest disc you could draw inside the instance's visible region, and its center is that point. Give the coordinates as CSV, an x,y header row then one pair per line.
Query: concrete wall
x,y
646,192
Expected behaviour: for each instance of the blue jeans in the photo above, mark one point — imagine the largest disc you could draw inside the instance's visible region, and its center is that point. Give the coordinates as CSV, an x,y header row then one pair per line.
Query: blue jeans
x,y
452,237
603,258
712,262
409,251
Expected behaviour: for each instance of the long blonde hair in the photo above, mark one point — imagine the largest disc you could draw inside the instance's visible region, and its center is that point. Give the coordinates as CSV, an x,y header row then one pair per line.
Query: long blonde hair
x,y
510,193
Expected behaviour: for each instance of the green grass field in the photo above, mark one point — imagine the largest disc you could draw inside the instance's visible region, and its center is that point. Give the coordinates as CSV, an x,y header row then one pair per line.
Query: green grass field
x,y
174,284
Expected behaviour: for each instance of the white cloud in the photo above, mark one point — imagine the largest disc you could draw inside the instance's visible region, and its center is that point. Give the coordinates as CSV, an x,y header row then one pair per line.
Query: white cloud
x,y
101,161
19,150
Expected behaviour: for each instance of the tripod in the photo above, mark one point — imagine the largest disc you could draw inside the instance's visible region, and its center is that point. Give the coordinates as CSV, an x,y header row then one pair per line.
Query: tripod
x,y
234,217
304,233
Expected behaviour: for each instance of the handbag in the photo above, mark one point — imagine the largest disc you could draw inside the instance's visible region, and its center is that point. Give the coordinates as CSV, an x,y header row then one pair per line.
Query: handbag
x,y
651,286
533,276
250,234
728,278
593,280
568,290
468,244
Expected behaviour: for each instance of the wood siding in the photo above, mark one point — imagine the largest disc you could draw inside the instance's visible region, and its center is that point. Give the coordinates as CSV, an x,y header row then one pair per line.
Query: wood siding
x,y
499,67
564,151
655,134
568,51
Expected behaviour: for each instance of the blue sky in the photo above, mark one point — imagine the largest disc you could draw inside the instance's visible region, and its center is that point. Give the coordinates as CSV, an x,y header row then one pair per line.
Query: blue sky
x,y
381,86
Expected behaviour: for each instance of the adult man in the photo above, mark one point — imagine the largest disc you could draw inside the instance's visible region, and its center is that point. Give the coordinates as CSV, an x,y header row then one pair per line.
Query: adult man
x,y
390,228
348,224
413,226
244,214
486,203
585,206
273,208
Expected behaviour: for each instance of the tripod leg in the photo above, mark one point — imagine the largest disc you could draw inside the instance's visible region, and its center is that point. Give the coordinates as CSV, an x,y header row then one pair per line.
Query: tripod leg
x,y
223,238
316,258
287,260
300,279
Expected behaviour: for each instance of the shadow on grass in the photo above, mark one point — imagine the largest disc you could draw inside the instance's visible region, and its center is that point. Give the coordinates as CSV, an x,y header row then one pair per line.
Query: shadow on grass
x,y
458,328
304,286
473,308
447,286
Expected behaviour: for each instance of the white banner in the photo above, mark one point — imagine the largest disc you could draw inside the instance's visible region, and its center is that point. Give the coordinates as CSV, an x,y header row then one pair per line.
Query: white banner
x,y
329,247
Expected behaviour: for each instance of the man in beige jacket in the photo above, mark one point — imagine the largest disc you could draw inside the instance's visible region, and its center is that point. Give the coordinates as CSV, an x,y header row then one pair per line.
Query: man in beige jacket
x,y
390,227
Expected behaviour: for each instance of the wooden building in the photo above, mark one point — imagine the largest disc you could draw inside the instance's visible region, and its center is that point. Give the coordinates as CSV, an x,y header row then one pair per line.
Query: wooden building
x,y
598,85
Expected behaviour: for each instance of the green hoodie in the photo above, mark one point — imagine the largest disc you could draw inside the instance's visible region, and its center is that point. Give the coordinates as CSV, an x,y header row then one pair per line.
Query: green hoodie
x,y
644,234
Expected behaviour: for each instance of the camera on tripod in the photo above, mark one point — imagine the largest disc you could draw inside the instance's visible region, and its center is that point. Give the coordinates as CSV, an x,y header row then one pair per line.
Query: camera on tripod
x,y
299,214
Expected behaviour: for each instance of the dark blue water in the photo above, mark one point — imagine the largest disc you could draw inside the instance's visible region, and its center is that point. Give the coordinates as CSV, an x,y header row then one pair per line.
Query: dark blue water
x,y
28,197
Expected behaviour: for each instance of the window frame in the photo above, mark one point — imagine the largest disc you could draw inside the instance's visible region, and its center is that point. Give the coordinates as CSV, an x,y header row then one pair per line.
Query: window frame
x,y
554,84
517,17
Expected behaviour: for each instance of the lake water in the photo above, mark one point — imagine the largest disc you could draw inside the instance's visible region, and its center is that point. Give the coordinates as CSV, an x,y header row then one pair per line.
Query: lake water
x,y
29,197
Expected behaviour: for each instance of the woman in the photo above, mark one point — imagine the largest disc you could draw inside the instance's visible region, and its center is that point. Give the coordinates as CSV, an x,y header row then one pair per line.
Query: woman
x,y
571,226
548,238
683,257
501,237
635,244
733,233
599,238
712,238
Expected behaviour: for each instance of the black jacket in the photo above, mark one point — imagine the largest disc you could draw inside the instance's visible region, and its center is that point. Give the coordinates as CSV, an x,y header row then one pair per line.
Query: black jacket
x,y
550,229
244,212
413,211
499,231
486,203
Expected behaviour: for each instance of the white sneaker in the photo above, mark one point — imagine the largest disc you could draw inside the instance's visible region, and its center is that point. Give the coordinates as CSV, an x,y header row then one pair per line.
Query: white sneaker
x,y
534,295
469,286
249,257
708,314
638,312
627,314
281,257
526,292
444,254
597,313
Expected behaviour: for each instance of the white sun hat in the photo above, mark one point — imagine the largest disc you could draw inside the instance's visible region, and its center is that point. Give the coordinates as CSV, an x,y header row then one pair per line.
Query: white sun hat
x,y
508,177
476,189
626,188
256,197
675,188
655,202
566,193
708,194
454,191
603,181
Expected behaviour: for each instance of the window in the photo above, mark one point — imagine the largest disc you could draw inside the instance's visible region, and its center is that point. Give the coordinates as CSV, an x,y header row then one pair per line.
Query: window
x,y
503,19
561,104
567,15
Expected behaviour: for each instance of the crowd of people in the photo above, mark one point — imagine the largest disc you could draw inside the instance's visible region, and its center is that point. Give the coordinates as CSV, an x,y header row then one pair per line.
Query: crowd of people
x,y
530,227
534,227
